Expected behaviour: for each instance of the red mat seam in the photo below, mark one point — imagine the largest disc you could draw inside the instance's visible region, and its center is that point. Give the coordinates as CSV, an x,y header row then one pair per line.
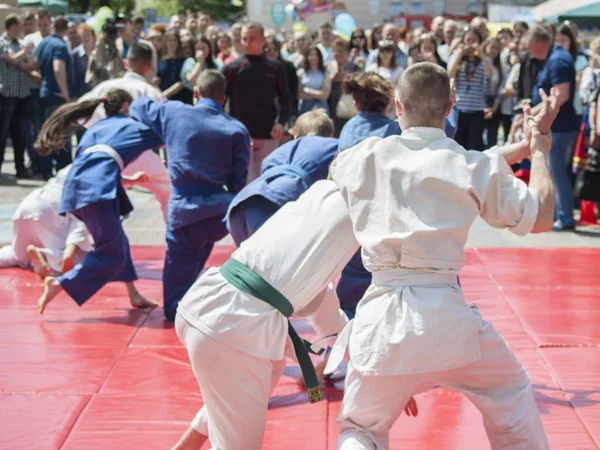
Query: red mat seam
x,y
526,328
563,392
87,402
112,368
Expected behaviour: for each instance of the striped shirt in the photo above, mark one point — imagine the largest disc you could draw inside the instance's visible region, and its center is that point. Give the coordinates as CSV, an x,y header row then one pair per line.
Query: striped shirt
x,y
470,94
13,80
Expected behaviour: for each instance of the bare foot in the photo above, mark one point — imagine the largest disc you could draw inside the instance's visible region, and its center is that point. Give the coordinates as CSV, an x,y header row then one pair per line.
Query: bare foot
x,y
319,369
68,258
51,289
38,261
138,300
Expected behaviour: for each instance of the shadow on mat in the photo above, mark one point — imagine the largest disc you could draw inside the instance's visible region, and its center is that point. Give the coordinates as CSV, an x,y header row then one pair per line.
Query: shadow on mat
x,y
131,320
580,398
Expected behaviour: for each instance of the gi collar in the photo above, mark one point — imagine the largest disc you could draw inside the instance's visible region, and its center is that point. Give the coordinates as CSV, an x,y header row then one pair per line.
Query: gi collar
x,y
423,133
209,102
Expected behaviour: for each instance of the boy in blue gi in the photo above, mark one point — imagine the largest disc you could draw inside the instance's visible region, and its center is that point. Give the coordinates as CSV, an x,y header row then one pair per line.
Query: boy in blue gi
x,y
208,153
286,174
93,192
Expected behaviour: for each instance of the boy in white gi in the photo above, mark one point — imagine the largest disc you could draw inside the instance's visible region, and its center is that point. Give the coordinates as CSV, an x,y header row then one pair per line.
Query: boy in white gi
x,y
412,200
236,341
43,239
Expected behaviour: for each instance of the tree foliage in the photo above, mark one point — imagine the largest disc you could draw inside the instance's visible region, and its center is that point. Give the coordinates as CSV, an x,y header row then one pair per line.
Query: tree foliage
x,y
83,6
220,10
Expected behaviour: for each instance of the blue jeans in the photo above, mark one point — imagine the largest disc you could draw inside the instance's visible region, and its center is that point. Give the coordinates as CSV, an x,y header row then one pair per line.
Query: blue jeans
x,y
559,161
35,120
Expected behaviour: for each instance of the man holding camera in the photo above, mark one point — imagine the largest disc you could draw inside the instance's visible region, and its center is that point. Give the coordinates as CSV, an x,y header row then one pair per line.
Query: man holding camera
x,y
112,50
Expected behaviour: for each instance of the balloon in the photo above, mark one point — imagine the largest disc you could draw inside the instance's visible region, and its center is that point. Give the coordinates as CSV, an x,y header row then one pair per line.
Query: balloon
x,y
289,9
294,15
302,6
100,18
345,25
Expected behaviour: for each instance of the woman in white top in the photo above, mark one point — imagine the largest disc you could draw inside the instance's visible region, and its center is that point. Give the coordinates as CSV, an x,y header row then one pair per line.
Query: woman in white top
x,y
387,67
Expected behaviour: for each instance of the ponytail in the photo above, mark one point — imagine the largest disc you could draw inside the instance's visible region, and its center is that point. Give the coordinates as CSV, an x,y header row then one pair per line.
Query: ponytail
x,y
57,129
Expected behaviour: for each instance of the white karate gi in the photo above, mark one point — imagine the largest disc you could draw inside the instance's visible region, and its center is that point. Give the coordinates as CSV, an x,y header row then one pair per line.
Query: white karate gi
x,y
412,200
148,162
36,222
236,342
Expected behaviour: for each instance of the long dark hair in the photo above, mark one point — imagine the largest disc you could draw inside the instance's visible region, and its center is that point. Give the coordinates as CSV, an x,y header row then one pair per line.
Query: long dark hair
x,y
573,50
58,128
321,65
360,32
209,59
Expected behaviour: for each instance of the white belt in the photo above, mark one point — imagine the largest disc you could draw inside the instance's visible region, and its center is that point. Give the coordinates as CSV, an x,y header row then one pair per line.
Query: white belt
x,y
109,151
388,278
400,278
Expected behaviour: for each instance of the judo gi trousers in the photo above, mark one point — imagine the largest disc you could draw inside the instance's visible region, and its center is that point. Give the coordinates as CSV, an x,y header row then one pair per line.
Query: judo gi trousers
x,y
188,249
50,240
111,258
247,217
497,384
235,387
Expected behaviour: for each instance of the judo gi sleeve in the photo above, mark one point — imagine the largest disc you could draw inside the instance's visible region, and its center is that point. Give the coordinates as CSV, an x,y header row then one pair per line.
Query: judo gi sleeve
x,y
324,313
505,200
147,111
241,160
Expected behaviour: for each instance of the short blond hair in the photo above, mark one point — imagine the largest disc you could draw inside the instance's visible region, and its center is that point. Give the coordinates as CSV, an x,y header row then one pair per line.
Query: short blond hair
x,y
313,123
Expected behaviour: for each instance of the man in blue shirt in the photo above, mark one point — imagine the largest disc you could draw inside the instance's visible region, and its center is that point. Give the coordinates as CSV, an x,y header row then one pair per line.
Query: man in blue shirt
x,y
207,151
55,66
558,74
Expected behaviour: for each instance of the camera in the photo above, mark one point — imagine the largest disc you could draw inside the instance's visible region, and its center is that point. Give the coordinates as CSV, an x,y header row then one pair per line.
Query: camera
x,y
111,27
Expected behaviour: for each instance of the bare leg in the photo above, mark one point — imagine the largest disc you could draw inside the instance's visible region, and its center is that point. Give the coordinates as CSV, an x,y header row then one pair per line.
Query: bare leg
x,y
69,258
191,440
137,299
38,261
51,289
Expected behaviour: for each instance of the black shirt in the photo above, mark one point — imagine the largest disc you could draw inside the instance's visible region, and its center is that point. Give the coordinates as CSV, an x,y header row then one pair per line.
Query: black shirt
x,y
528,74
255,86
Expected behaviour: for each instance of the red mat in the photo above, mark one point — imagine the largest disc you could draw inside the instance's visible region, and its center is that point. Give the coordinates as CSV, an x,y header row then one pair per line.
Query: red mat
x,y
106,377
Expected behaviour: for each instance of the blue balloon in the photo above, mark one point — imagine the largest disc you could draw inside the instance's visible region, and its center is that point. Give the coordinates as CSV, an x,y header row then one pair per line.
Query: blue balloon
x,y
294,15
345,25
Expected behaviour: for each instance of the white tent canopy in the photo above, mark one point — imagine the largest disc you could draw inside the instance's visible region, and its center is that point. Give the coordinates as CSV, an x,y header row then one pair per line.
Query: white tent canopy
x,y
553,9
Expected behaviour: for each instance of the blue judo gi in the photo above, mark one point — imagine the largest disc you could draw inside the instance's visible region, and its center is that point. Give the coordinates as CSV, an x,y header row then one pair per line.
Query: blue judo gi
x,y
93,192
285,174
207,151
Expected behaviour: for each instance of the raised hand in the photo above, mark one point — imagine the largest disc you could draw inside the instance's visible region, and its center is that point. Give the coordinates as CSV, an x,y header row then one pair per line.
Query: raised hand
x,y
547,114
538,141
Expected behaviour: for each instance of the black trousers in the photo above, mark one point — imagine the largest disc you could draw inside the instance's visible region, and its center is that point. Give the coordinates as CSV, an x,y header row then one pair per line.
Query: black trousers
x,y
13,123
469,130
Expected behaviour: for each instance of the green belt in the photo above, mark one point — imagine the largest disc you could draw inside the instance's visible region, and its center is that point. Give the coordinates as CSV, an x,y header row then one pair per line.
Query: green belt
x,y
247,280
